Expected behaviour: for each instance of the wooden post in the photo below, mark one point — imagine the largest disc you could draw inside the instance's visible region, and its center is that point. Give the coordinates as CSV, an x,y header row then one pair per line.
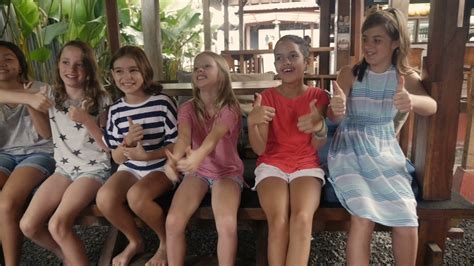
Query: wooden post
x,y
113,30
435,137
152,36
207,24
241,25
357,18
343,33
226,24
324,25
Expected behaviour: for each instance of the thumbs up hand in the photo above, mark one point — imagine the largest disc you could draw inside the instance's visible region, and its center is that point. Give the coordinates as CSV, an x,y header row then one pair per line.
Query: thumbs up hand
x,y
310,122
338,100
78,114
136,153
135,133
191,162
40,100
170,167
260,114
402,98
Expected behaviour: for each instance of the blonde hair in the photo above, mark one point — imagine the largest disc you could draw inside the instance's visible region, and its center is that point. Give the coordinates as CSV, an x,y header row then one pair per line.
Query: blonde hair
x,y
225,94
394,23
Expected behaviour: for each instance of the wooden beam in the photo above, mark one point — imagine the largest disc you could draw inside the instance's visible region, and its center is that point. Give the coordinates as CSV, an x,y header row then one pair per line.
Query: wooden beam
x,y
207,24
343,33
324,25
357,18
435,137
226,24
113,30
152,36
241,24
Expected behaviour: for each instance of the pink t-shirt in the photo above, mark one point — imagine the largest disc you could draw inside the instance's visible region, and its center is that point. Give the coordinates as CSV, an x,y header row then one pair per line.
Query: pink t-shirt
x,y
224,161
288,148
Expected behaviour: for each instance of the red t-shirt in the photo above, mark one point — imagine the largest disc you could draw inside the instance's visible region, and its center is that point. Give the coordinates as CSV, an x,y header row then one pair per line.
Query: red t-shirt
x,y
288,148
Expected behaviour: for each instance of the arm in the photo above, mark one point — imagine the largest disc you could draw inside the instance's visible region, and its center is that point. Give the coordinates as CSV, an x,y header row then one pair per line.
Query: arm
x,y
118,154
313,123
341,88
258,122
33,98
40,122
422,103
178,150
80,115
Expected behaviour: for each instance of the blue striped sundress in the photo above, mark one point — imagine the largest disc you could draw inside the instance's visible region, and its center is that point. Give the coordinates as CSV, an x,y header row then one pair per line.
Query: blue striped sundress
x,y
366,163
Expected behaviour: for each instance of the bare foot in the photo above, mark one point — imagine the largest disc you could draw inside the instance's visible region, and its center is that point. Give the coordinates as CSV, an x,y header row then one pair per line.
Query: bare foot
x,y
159,259
127,254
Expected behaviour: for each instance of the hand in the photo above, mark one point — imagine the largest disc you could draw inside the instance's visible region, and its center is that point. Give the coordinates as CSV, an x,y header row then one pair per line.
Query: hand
x,y
170,166
135,133
40,101
260,114
136,153
402,99
311,122
190,163
338,101
78,114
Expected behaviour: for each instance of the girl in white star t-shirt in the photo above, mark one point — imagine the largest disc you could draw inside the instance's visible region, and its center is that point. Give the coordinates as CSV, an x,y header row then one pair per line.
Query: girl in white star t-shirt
x,y
82,160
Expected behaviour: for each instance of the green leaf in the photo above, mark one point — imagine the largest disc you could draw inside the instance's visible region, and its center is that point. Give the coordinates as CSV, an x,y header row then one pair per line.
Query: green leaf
x,y
41,54
28,14
54,30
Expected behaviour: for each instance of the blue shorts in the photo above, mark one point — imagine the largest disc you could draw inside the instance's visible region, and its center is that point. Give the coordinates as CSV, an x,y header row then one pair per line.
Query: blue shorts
x,y
99,175
210,182
41,161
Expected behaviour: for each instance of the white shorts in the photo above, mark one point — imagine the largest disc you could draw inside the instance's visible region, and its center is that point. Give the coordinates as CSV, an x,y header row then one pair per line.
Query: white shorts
x,y
137,173
264,170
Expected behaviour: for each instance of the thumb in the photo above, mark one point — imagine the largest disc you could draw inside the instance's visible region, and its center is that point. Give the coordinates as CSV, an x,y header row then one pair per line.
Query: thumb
x,y
337,89
170,155
130,121
312,106
43,90
83,104
258,99
401,83
188,151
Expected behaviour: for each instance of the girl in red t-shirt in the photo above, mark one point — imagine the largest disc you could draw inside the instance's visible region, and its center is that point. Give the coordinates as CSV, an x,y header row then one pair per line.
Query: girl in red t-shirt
x,y
286,126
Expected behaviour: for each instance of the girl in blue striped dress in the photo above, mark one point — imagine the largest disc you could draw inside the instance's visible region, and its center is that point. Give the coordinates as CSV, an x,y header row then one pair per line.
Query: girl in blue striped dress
x,y
366,163
140,127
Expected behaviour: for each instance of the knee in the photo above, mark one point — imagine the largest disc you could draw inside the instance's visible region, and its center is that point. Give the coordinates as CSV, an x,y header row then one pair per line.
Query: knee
x,y
106,199
301,219
175,225
8,207
137,200
58,227
29,227
226,225
362,222
278,223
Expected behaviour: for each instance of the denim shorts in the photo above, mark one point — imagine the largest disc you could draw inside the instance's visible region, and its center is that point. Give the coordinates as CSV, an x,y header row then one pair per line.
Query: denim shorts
x,y
210,181
41,161
100,175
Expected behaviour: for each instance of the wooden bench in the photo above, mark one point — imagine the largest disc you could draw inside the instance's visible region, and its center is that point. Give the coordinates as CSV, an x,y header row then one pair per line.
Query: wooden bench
x,y
435,220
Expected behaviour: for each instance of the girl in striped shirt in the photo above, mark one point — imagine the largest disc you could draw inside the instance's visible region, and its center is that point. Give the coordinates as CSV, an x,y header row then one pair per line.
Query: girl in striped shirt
x,y
141,126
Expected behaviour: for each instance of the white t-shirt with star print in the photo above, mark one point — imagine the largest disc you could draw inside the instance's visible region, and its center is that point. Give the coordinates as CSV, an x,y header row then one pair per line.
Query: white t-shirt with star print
x,y
75,150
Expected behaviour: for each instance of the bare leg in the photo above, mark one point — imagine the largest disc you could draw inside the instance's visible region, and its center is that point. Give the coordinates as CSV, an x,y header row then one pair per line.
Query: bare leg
x,y
76,197
13,196
358,242
111,200
44,203
305,193
141,199
225,203
273,194
405,244
186,200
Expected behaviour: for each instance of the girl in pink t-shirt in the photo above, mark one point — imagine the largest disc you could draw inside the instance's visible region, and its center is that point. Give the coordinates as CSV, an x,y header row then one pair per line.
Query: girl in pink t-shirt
x,y
206,152
286,126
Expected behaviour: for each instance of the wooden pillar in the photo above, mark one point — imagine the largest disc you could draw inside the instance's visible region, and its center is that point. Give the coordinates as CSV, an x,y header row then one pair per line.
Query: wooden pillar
x,y
324,32
113,30
226,24
152,36
357,18
343,33
435,137
207,24
241,24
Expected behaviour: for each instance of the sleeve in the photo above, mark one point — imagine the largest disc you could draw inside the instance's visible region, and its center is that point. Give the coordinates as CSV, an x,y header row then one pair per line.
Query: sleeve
x,y
185,113
322,97
171,130
228,117
112,136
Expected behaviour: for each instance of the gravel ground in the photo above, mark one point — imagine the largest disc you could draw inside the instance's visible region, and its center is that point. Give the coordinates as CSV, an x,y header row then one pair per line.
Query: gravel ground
x,y
326,248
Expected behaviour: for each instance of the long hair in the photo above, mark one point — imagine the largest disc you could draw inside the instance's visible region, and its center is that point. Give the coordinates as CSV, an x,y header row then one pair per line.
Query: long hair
x,y
23,77
93,90
225,95
393,22
144,67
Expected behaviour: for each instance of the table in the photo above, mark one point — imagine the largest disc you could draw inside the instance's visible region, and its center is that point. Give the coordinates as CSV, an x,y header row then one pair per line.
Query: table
x,y
239,87
245,55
